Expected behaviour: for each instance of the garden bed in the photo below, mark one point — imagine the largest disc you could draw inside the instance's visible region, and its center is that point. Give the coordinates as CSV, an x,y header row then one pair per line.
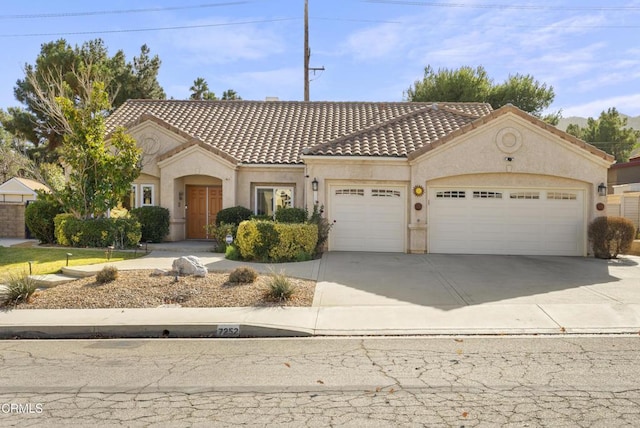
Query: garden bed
x,y
139,289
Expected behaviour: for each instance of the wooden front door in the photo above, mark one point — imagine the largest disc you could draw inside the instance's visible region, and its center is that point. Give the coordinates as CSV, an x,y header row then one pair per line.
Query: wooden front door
x,y
203,204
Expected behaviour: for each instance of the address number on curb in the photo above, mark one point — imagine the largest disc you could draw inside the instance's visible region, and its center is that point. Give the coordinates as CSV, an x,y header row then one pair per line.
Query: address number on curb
x,y
228,330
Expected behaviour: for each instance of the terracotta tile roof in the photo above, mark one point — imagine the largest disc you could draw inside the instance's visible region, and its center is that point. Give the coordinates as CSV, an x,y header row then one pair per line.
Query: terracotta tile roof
x,y
526,116
399,136
276,132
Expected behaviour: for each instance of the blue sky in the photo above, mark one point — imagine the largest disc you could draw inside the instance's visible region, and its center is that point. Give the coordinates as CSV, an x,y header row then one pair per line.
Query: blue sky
x,y
371,50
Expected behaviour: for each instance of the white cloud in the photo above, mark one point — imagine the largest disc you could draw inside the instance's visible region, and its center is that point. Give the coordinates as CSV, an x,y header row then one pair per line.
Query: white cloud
x,y
285,83
627,104
226,44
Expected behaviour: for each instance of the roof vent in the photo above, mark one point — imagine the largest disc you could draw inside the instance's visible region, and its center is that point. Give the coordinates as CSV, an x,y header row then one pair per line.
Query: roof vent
x,y
434,106
272,99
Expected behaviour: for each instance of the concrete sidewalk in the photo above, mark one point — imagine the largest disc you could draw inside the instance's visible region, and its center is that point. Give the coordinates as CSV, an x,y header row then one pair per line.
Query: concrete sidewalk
x,y
384,294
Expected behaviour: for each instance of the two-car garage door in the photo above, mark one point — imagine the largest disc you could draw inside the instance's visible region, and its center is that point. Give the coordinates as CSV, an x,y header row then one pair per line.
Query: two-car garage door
x,y
461,220
506,221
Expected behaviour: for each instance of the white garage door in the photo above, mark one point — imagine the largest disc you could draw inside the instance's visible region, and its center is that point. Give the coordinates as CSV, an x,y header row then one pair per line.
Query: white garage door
x,y
506,221
367,218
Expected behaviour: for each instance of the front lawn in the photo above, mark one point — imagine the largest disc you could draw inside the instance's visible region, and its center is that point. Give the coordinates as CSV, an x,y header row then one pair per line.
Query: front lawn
x,y
15,260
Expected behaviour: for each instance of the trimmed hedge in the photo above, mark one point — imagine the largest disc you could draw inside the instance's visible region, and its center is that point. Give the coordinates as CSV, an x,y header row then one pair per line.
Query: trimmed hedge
x,y
611,236
39,216
233,215
291,215
99,232
268,241
154,222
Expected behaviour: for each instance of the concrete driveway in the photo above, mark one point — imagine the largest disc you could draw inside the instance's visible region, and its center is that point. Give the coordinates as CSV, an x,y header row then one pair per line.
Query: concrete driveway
x,y
448,282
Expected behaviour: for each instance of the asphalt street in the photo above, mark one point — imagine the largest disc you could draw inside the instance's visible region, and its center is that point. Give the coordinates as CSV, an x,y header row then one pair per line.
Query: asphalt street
x,y
410,381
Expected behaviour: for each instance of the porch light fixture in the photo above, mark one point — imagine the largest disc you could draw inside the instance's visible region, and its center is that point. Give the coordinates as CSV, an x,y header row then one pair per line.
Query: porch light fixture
x,y
314,187
602,189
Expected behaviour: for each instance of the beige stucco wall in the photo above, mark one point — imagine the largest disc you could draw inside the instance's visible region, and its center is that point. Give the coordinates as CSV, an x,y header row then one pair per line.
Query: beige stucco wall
x,y
250,176
539,159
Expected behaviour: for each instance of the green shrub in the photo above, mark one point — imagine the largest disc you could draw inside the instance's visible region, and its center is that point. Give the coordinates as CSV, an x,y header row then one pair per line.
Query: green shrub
x,y
231,252
107,274
611,236
243,275
291,215
261,217
324,227
269,241
233,215
280,287
303,256
98,233
220,232
39,216
19,288
154,223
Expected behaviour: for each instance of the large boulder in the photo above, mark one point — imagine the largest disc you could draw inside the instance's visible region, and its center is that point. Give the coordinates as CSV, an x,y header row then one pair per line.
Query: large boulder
x,y
189,265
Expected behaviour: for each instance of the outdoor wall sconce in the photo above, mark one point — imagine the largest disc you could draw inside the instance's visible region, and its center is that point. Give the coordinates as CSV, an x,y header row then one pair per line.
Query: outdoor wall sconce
x,y
602,189
314,187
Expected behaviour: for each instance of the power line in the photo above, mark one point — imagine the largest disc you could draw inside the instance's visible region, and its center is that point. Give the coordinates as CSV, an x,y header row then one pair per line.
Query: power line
x,y
137,30
503,6
117,12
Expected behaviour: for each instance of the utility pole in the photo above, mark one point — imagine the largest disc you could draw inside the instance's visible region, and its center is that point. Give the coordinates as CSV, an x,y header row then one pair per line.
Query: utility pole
x,y
307,52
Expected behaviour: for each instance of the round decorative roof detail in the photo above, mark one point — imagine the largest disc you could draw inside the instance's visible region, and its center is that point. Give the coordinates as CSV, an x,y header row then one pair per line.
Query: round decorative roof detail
x,y
509,140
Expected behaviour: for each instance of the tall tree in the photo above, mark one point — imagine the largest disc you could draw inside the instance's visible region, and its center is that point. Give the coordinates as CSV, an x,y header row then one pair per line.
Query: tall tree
x,y
468,84
100,174
610,133
200,90
55,71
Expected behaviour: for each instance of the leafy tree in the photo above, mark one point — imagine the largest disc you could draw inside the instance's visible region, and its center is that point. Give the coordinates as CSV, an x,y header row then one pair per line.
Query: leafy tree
x,y
55,73
100,174
468,84
609,133
14,160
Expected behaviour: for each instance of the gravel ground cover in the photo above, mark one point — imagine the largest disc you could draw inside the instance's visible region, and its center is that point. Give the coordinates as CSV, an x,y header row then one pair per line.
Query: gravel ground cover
x,y
141,289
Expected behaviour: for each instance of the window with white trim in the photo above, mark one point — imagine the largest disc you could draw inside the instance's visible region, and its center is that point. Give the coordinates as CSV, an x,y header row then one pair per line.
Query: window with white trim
x,y
140,195
454,194
269,199
147,195
130,201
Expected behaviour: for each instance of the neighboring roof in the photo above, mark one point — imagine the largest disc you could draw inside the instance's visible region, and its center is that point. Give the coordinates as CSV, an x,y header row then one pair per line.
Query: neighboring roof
x,y
276,132
526,116
633,162
27,183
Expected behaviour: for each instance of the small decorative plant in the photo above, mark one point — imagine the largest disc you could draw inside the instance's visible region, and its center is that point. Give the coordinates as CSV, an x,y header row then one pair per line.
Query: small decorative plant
x,y
243,275
107,274
19,289
280,287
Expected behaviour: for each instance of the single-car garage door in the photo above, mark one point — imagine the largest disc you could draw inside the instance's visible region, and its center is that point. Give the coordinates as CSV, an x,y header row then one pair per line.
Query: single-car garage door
x,y
507,221
367,218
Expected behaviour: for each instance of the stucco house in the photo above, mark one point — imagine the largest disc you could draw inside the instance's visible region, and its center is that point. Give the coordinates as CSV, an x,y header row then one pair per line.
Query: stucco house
x,y
393,177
